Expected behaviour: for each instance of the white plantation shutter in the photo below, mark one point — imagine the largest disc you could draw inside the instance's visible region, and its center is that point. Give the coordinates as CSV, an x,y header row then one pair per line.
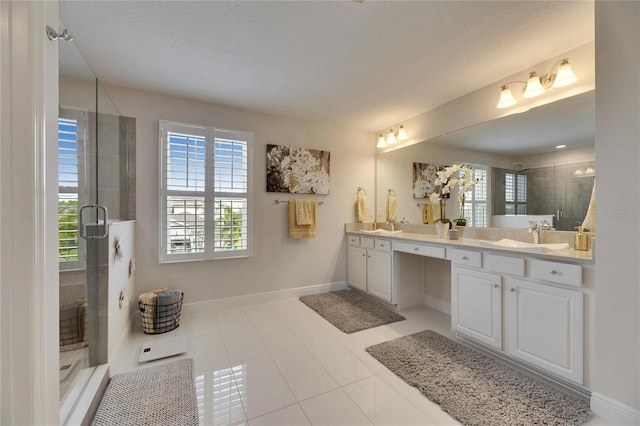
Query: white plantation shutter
x,y
70,246
204,192
475,206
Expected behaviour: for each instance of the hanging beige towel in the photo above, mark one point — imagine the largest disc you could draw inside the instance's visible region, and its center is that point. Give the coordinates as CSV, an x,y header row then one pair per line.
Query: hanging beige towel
x,y
303,212
392,211
427,213
361,208
298,230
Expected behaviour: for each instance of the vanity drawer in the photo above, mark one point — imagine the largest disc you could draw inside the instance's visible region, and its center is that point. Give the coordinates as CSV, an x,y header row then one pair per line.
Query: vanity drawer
x,y
467,257
383,245
505,264
367,242
420,249
555,272
354,240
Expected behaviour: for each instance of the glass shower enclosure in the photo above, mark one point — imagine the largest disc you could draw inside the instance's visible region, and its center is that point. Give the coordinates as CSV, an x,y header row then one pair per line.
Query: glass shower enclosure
x,y
96,169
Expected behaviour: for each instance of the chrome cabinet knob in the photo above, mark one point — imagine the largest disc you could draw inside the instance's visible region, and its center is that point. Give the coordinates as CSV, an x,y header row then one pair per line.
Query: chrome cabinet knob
x,y
512,290
554,272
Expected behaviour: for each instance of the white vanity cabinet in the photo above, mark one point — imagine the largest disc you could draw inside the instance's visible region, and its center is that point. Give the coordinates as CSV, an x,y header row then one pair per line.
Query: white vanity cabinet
x,y
369,266
523,307
545,326
476,305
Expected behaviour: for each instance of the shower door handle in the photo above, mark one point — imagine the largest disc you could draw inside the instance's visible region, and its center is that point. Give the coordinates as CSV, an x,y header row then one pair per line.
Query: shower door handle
x,y
101,230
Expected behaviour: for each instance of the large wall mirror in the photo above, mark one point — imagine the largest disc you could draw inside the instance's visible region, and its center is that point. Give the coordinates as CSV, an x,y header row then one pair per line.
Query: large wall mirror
x,y
525,175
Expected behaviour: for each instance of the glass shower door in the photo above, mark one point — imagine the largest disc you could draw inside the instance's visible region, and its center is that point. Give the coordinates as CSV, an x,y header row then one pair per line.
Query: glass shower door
x,y
94,143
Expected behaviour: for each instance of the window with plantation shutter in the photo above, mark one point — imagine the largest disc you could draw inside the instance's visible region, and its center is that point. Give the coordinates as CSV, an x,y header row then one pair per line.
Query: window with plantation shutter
x,y
70,184
475,205
515,194
204,192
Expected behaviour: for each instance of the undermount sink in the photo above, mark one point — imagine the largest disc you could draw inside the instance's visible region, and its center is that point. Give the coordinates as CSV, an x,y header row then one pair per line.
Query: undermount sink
x,y
381,232
506,243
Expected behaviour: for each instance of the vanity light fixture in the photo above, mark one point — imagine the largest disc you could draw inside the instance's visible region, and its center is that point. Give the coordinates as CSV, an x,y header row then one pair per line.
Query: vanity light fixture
x,y
392,137
560,75
585,172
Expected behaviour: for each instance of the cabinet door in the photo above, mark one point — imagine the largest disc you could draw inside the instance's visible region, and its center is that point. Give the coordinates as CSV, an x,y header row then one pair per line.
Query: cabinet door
x,y
379,274
476,305
357,267
545,327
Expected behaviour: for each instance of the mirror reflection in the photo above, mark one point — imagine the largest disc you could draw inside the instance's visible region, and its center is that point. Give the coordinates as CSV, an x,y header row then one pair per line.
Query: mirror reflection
x,y
538,165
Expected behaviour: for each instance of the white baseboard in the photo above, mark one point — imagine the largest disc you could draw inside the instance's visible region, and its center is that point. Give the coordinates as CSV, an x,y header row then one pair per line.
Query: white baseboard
x,y
437,304
252,299
614,412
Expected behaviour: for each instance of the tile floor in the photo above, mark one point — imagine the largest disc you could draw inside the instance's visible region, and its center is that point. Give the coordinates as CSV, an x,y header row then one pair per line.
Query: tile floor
x,y
280,363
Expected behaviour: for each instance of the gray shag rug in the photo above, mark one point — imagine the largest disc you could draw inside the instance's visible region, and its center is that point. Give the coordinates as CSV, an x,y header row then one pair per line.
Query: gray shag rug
x,y
159,395
473,388
350,311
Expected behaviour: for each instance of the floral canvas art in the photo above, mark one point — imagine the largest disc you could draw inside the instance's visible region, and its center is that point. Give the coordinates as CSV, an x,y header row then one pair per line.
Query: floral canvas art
x,y
424,177
297,170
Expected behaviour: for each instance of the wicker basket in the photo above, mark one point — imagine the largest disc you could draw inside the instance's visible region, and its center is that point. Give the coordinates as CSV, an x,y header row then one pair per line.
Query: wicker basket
x,y
157,319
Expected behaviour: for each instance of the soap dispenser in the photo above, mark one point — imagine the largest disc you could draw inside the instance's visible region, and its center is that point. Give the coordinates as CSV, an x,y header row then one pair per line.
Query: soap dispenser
x,y
581,240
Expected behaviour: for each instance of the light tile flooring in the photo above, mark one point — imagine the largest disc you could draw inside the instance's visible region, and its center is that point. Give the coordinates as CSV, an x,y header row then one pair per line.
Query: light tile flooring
x,y
280,363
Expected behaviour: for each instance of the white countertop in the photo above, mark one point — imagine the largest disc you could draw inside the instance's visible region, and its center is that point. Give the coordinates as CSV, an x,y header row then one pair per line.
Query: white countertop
x,y
567,255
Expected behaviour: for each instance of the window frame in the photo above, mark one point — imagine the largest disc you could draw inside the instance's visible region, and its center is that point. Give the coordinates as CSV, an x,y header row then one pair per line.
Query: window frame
x,y
209,193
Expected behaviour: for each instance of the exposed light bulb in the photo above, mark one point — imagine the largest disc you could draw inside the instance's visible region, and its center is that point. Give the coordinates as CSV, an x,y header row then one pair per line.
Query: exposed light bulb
x,y
506,98
533,87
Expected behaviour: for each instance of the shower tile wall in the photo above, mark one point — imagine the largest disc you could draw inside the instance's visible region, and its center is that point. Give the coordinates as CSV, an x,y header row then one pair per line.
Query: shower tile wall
x,y
550,190
116,136
573,194
557,189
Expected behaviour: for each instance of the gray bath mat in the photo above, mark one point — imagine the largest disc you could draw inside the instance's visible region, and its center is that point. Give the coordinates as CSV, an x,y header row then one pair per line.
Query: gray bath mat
x,y
160,395
350,311
473,388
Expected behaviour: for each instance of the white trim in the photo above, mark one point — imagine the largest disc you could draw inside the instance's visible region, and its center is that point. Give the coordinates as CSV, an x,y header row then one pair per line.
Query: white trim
x,y
252,299
437,304
29,349
87,404
614,412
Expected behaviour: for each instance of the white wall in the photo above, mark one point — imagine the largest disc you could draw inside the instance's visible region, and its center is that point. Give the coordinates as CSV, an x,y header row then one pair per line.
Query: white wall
x,y
617,372
277,262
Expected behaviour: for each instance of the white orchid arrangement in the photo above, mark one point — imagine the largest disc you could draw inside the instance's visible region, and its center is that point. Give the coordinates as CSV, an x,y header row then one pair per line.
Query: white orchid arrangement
x,y
447,179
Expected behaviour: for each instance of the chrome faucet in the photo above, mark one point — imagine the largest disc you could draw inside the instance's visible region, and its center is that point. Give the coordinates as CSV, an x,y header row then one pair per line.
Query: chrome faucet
x,y
535,231
544,225
391,224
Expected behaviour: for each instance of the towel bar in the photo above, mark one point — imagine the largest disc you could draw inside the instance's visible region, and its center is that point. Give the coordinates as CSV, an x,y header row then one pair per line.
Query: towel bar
x,y
285,201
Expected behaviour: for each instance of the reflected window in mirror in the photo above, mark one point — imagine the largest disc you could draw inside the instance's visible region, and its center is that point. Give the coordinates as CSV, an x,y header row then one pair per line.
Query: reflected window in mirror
x,y
515,193
474,207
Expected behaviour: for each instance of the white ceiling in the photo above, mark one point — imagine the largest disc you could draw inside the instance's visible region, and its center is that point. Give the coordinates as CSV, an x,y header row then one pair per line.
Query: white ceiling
x,y
364,65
